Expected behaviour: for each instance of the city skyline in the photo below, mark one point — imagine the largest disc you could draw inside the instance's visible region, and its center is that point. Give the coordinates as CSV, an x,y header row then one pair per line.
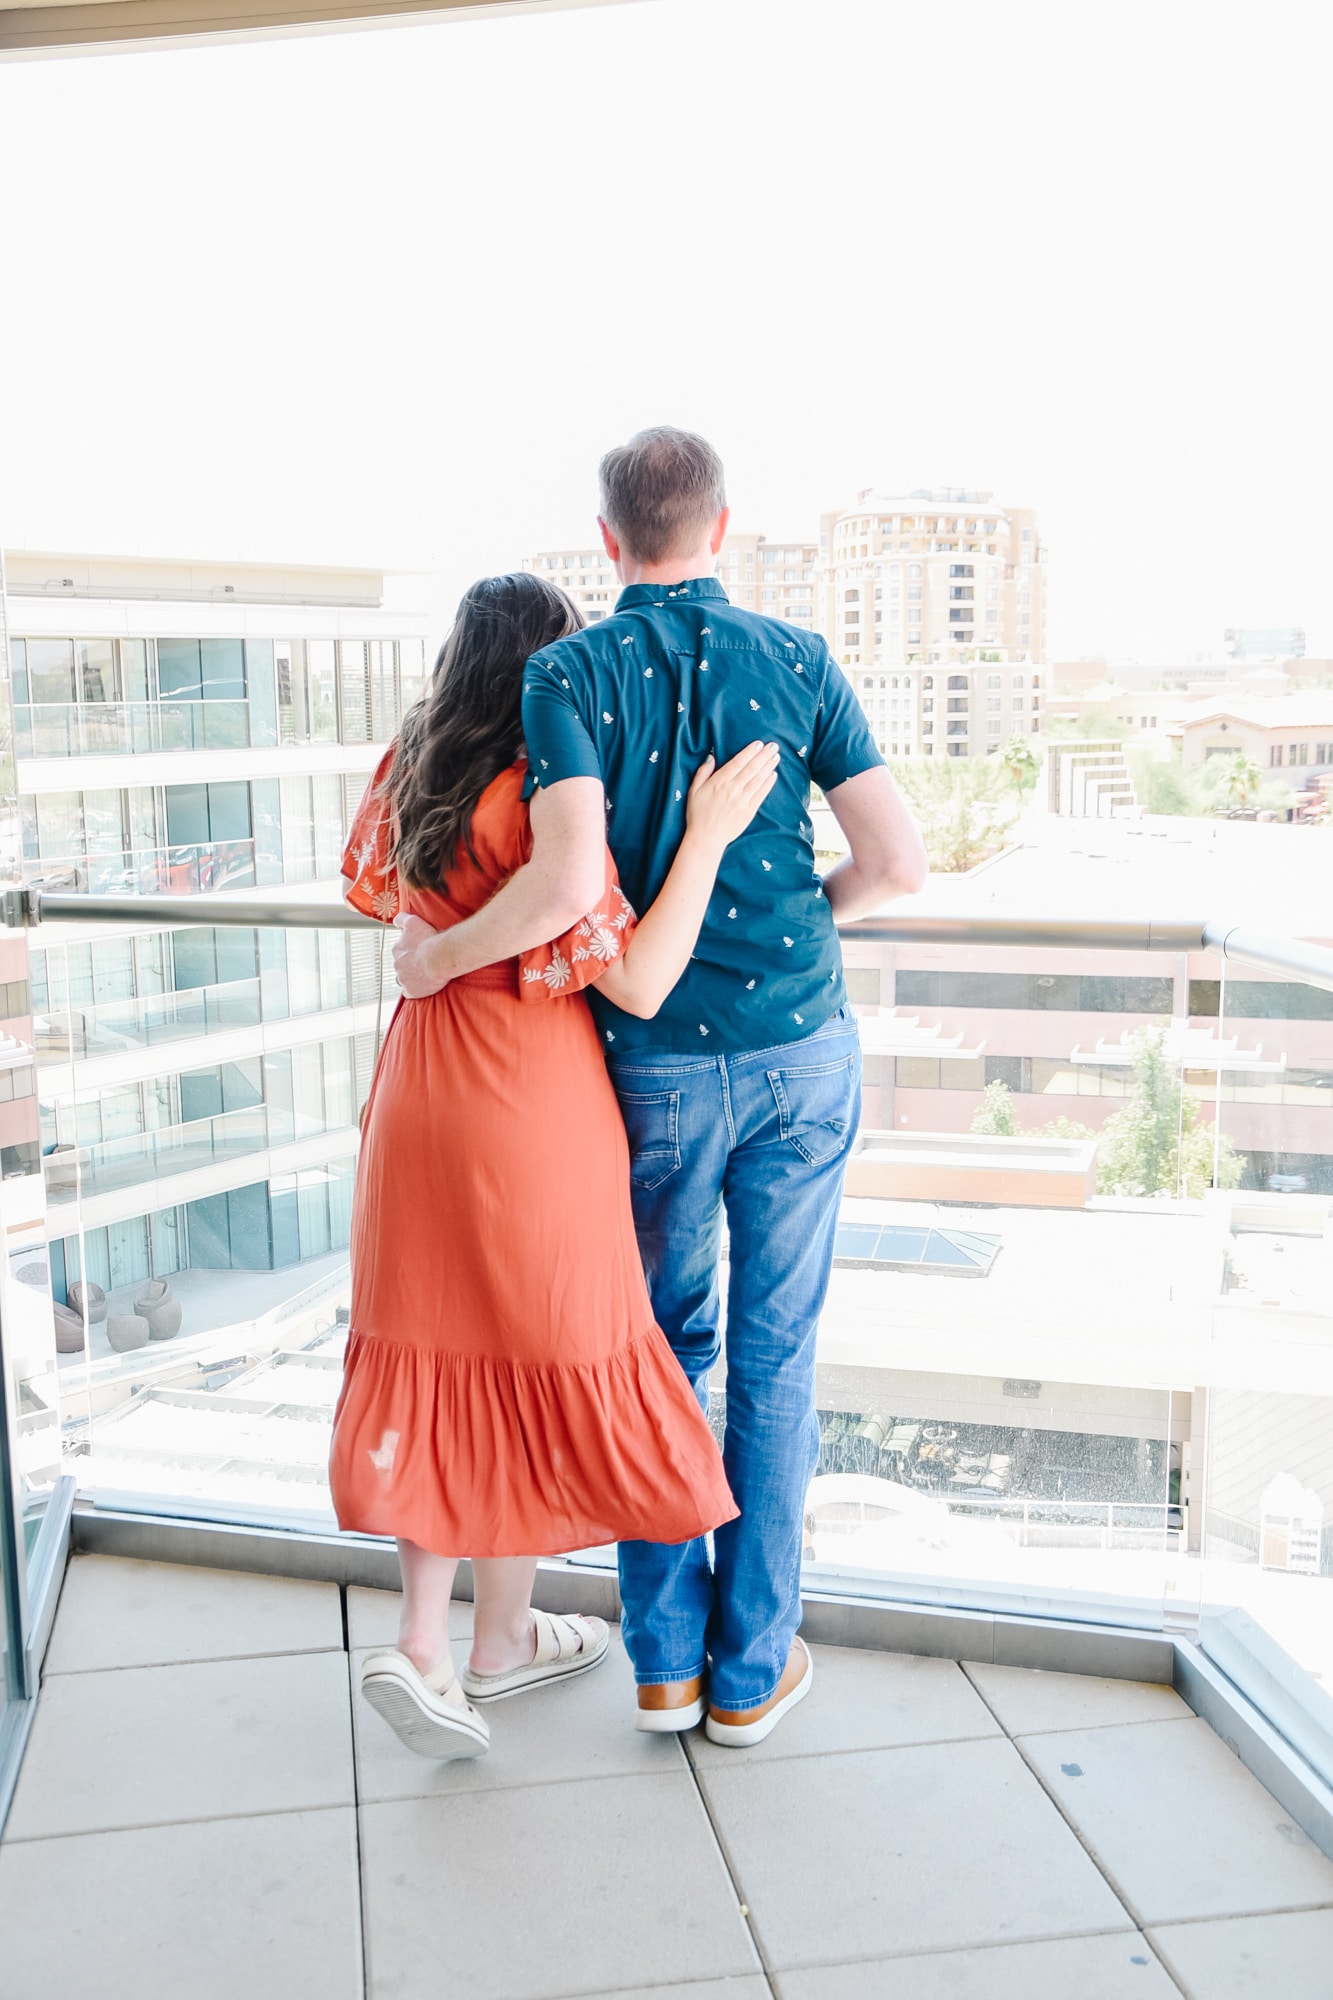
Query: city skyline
x,y
312,348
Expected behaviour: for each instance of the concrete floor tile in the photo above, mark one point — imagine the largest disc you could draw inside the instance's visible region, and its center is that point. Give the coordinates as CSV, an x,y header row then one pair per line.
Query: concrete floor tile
x,y
151,1744
583,1729
868,1701
919,1849
1121,1967
745,1986
1178,1823
372,1617
547,1890
266,1908
115,1612
1252,1958
1026,1699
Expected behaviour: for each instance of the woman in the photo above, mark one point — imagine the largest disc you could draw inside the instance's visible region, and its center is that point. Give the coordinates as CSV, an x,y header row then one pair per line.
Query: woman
x,y
507,1392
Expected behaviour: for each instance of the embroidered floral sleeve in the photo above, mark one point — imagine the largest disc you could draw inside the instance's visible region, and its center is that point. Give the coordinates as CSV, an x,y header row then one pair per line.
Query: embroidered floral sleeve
x,y
581,955
365,862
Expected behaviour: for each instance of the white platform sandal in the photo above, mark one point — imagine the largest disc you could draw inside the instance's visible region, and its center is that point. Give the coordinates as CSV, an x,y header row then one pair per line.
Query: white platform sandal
x,y
565,1648
428,1712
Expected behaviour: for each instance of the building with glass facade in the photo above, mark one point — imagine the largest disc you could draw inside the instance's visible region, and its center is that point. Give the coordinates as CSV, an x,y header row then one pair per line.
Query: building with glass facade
x,y
183,728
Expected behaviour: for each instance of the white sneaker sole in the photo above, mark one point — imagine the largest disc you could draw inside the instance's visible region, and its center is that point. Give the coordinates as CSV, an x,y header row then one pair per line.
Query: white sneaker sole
x,y
670,1721
420,1719
737,1735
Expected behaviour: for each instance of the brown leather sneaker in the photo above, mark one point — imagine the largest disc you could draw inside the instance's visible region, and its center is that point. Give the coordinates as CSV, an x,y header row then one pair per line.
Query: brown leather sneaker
x,y
667,1707
739,1726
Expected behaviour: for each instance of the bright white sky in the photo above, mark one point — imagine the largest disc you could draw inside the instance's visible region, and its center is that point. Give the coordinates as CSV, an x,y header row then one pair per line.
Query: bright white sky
x,y
387,296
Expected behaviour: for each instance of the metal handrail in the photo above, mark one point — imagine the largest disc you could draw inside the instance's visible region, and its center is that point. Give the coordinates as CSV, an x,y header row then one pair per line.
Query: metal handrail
x,y
1312,964
58,906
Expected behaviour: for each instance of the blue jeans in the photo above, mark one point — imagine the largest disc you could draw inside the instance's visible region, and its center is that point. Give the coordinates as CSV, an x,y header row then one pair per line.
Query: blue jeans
x,y
765,1134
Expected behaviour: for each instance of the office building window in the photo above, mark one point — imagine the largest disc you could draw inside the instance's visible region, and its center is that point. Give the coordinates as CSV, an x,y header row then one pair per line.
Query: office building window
x,y
200,814
201,669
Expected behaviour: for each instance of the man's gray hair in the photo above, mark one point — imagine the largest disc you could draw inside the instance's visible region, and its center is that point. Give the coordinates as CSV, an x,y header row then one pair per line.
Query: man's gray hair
x,y
659,489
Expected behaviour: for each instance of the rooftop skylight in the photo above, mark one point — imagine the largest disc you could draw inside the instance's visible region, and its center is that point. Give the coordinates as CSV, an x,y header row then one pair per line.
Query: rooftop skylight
x,y
955,1253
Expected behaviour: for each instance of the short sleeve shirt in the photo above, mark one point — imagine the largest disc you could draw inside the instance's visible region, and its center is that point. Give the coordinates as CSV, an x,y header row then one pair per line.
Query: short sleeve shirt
x,y
639,700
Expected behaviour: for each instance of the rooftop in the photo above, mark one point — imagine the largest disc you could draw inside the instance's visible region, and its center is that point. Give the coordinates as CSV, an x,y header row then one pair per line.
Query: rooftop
x,y
1275,876
207,1807
1312,708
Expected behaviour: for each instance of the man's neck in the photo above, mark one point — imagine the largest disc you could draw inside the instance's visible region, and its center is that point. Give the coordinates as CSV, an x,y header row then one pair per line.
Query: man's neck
x,y
680,569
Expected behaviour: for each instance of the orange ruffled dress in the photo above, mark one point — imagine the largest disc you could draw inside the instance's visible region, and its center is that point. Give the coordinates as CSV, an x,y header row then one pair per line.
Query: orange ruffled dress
x,y
507,1391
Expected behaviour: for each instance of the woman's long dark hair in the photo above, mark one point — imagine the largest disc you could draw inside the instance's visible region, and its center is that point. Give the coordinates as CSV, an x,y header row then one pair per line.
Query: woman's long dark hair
x,y
468,727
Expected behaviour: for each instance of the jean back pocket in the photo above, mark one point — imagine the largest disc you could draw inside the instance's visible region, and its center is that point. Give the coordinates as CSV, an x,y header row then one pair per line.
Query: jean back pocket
x,y
816,1108
652,1124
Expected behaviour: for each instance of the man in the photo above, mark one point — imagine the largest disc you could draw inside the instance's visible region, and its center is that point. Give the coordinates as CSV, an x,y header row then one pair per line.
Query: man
x,y
742,1094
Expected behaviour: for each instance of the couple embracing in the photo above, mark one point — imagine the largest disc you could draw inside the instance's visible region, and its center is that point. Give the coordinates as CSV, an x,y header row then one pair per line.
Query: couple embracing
x,y
624,1016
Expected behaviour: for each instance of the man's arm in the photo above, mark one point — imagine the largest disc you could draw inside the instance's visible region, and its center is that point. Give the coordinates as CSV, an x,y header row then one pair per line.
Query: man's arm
x,y
560,884
888,857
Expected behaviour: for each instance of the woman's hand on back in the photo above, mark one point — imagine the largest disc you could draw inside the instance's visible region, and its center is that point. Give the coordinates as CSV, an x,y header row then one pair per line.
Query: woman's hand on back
x,y
723,799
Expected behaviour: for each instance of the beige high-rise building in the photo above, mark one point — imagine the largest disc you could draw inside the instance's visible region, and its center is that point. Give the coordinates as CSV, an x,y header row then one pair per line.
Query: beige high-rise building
x,y
933,603
585,575
781,579
931,579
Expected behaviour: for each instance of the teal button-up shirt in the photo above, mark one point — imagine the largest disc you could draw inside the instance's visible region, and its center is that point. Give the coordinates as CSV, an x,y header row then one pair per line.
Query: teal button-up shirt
x,y
639,700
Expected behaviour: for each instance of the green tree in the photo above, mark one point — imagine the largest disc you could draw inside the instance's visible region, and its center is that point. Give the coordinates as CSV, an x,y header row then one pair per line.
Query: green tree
x,y
1236,780
994,1116
963,806
1155,1144
1019,762
1165,785
1099,725
1066,1128
1161,784
1239,779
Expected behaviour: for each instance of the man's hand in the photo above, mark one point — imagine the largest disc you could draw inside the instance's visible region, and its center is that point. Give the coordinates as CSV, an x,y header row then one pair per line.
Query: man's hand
x,y
420,960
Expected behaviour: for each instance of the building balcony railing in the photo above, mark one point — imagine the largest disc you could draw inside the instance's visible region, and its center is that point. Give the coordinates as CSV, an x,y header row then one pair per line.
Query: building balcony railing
x,y
65,1034
185,870
1042,1393
73,729
75,1171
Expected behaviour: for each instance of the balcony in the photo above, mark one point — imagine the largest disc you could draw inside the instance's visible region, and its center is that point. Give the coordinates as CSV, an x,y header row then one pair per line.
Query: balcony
x,y
114,728
1066,1552
182,870
206,1806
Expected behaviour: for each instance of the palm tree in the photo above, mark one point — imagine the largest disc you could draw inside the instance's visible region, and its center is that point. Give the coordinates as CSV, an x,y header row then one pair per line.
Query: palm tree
x,y
1240,780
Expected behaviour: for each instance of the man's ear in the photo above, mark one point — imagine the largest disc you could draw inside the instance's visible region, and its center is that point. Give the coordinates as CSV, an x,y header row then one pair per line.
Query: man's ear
x,y
719,531
609,542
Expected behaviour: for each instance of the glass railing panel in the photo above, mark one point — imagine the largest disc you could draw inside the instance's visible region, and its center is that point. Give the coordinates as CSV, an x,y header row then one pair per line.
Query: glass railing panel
x,y
1266,1470
1020,1290
30,1437
68,729
199,1214
203,725
150,871
66,1032
1039,1387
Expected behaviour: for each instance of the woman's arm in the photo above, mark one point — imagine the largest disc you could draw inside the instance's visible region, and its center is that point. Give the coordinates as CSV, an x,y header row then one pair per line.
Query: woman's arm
x,y
721,805
550,892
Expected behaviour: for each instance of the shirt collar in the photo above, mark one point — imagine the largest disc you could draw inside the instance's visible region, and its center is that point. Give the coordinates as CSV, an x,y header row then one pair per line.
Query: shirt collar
x,y
691,590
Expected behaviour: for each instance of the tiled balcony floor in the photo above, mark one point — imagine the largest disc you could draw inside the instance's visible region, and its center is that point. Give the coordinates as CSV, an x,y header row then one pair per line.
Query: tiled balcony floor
x,y
207,1809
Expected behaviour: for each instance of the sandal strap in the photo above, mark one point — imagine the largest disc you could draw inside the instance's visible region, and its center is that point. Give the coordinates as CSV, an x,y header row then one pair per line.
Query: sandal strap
x,y
559,1637
444,1682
